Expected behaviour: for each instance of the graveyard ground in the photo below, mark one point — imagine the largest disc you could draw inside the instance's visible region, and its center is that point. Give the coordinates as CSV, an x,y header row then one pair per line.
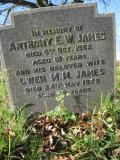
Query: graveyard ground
x,y
60,134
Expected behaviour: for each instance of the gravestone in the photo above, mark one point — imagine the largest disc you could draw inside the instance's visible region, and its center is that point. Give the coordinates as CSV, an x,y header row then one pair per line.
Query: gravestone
x,y
0,59
70,48
0,64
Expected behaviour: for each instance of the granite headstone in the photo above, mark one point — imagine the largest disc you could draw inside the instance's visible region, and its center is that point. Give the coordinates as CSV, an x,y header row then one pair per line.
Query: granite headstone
x,y
0,60
70,48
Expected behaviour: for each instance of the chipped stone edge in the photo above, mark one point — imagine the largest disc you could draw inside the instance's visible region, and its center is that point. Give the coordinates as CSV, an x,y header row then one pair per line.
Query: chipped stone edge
x,y
114,50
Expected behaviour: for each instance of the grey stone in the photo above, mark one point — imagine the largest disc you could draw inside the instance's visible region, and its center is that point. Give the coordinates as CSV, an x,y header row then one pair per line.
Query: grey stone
x,y
0,60
0,64
69,48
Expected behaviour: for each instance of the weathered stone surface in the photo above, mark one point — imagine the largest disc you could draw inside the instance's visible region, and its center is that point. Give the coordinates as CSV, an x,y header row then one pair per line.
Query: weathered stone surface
x,y
0,64
0,59
69,48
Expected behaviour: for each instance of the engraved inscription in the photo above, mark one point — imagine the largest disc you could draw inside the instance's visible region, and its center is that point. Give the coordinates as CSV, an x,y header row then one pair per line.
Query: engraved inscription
x,y
61,55
53,50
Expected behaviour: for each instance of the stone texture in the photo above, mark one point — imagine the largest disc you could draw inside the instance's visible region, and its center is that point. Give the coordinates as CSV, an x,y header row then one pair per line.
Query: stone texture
x,y
0,64
69,48
0,60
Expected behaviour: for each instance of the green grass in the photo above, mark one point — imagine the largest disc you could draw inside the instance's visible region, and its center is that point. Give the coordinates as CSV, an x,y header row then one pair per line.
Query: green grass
x,y
10,122
89,136
118,77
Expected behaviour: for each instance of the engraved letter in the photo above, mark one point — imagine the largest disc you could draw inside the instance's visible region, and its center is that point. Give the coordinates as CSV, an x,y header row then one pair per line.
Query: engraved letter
x,y
12,46
69,38
67,75
55,76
